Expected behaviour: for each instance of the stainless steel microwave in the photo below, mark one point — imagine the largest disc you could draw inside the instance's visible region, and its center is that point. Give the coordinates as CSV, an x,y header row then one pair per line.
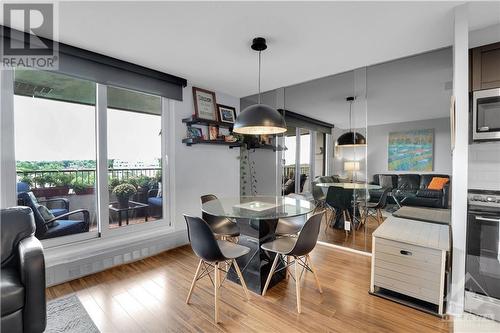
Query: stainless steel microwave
x,y
486,115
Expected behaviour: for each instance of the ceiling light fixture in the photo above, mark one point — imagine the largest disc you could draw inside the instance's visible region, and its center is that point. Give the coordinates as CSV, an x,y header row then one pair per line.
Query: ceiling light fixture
x,y
351,138
259,119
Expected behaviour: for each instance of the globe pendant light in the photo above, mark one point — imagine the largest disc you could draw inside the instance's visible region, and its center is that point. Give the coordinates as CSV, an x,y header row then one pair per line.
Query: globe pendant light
x,y
351,139
259,119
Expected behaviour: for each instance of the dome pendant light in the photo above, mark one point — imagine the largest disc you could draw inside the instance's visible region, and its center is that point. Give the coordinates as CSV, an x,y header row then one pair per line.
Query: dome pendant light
x,y
259,119
351,139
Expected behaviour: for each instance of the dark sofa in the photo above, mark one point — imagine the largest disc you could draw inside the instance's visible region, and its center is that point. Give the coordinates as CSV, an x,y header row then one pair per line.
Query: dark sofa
x,y
412,190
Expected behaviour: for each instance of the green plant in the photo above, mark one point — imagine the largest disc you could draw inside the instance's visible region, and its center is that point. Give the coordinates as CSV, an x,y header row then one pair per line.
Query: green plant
x,y
63,179
45,179
124,190
114,182
79,186
26,179
145,181
133,180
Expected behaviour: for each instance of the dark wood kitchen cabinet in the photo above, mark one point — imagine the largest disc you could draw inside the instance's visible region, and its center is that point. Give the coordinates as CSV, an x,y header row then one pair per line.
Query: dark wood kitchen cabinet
x,y
485,67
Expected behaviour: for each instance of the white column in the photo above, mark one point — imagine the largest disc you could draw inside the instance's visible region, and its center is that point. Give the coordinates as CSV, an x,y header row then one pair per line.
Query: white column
x,y
8,197
460,159
102,157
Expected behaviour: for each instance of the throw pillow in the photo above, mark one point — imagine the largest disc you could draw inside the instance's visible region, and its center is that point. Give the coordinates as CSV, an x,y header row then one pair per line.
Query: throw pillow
x,y
385,181
437,183
46,215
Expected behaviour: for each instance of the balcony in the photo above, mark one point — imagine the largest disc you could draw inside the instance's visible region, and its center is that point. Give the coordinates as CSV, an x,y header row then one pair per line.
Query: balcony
x,y
78,187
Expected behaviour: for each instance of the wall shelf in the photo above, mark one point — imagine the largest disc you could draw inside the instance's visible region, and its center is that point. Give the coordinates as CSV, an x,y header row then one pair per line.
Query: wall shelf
x,y
205,122
190,142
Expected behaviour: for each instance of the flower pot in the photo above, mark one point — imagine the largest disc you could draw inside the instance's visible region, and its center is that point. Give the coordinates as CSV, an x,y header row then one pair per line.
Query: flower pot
x,y
48,192
87,190
123,201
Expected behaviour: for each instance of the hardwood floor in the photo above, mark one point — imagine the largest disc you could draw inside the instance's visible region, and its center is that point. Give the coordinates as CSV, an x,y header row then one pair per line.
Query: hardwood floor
x,y
360,239
149,296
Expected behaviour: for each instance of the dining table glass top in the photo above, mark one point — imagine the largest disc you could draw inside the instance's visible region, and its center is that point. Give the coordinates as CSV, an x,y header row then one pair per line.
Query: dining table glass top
x,y
258,207
351,186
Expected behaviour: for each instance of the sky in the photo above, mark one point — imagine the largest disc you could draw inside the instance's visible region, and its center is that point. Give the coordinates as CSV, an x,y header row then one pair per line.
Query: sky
x,y
47,130
305,146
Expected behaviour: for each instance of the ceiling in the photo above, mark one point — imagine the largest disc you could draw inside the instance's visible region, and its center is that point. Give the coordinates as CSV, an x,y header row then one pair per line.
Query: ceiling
x,y
408,89
208,42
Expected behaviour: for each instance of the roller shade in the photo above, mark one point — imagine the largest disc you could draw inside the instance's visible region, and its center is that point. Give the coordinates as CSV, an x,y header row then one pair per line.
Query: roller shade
x,y
106,70
300,121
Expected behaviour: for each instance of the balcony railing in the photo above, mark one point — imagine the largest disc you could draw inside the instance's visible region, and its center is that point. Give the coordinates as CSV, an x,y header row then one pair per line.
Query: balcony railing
x,y
289,170
47,178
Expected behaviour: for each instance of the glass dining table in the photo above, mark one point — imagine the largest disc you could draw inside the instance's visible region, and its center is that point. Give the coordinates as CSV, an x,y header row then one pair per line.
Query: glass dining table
x,y
257,218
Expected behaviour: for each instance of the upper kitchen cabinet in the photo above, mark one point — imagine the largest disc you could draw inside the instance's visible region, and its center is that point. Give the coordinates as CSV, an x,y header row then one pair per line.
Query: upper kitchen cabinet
x,y
485,67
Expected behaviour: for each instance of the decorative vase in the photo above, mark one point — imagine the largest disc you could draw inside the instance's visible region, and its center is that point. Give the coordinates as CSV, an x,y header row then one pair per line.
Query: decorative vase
x,y
123,201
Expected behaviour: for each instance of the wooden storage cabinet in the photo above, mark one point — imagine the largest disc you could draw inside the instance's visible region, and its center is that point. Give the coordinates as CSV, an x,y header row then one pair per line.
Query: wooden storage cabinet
x,y
485,67
410,263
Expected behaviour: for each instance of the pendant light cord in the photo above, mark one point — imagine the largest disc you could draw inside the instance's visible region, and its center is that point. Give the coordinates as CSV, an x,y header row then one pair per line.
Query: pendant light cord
x,y
350,116
259,78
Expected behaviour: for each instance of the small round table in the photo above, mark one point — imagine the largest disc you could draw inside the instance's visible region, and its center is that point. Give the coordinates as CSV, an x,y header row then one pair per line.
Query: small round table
x,y
257,218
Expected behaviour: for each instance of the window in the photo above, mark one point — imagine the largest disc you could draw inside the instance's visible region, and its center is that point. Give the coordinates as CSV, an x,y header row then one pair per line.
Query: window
x,y
134,157
55,151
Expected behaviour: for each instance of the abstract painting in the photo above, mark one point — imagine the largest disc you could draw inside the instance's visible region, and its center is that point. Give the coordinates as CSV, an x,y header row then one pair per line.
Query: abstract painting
x,y
411,150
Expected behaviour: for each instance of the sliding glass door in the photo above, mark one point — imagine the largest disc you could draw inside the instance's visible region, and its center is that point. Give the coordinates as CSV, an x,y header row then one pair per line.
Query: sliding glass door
x,y
88,173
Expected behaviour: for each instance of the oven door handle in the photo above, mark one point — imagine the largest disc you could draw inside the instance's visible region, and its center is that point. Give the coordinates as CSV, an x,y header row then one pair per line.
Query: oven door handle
x,y
480,218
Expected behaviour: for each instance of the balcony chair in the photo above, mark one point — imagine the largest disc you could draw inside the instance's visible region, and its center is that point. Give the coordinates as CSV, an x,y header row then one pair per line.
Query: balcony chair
x,y
22,278
289,186
212,253
155,201
297,248
54,226
222,227
63,203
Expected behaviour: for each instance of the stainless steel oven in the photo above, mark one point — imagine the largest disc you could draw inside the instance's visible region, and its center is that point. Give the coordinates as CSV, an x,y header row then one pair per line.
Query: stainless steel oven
x,y
486,114
482,281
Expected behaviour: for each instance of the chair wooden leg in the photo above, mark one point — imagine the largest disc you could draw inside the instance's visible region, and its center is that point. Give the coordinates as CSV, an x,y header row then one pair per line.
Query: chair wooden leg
x,y
297,284
287,270
271,272
379,216
309,262
345,220
194,281
216,292
242,280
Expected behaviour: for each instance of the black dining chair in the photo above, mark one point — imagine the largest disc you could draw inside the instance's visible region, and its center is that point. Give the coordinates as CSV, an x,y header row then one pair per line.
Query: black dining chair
x,y
212,253
338,200
374,209
221,226
297,249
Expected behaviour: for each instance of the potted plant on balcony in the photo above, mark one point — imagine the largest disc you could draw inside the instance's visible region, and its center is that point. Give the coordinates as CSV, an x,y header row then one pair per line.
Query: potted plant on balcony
x,y
123,193
51,185
80,187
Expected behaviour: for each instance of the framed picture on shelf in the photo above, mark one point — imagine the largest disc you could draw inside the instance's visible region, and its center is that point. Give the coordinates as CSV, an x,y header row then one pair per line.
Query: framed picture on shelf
x,y
213,132
205,106
194,133
227,114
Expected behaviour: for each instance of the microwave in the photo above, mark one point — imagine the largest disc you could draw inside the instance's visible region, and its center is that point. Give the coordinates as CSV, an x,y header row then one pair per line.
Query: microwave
x,y
486,115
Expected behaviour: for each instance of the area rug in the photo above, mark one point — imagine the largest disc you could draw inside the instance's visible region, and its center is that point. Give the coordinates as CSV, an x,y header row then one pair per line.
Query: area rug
x,y
67,314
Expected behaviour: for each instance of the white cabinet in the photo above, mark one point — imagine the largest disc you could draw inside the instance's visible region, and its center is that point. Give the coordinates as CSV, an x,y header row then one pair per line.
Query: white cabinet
x,y
409,258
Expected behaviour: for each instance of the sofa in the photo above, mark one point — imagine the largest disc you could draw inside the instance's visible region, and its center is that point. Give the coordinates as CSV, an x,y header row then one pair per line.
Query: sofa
x,y
412,190
22,275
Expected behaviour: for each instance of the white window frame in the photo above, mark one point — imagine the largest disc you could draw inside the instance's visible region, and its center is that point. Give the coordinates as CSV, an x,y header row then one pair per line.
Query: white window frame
x,y
103,232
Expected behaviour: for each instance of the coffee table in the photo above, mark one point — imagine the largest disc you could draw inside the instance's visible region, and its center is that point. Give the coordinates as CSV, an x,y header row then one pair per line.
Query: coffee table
x,y
132,205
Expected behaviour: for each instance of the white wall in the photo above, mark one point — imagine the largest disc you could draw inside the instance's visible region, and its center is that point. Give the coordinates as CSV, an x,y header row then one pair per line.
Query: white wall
x,y
203,168
378,137
484,166
485,36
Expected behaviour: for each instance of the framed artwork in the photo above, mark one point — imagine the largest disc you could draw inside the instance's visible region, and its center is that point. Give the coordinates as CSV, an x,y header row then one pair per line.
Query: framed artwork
x,y
227,114
411,150
213,132
194,133
205,106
